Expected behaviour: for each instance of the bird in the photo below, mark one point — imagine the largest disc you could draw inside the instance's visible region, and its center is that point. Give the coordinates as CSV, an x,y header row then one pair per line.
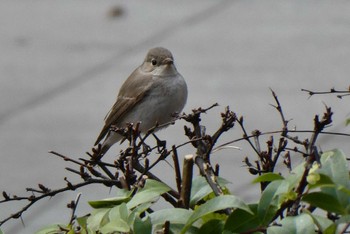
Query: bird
x,y
151,95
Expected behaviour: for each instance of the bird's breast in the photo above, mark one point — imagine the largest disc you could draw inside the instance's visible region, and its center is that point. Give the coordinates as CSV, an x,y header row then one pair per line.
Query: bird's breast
x,y
167,96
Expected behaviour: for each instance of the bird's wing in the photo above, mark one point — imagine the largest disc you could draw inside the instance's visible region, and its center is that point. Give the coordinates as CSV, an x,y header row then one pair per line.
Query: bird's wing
x,y
134,89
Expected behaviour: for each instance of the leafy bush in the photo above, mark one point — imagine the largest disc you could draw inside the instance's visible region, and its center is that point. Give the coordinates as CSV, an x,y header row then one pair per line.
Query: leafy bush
x,y
313,196
328,190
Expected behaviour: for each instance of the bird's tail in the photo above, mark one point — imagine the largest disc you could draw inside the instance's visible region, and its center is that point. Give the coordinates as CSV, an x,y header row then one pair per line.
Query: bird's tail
x,y
111,138
102,151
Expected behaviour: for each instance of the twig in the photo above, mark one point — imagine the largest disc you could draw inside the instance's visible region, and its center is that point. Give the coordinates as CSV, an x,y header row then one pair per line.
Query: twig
x,y
280,111
166,228
177,168
280,131
228,119
73,205
33,200
312,156
65,158
208,173
186,182
245,136
204,147
341,93
345,228
173,193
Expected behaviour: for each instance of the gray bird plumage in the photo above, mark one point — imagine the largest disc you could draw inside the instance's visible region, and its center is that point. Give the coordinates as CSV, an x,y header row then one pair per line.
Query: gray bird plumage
x,y
150,95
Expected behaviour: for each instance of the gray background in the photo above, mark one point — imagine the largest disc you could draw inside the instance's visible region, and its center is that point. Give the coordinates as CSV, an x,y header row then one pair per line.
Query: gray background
x,y
62,63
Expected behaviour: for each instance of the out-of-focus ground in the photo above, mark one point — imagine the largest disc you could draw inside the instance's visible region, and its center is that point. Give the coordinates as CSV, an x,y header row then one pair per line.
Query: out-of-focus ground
x,y
62,63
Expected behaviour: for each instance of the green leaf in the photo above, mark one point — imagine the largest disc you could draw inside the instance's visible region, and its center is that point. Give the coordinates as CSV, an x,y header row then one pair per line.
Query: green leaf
x,y
241,221
213,226
215,204
115,226
295,176
324,181
176,216
123,197
271,201
344,190
268,177
277,192
142,226
119,213
301,224
151,191
175,229
322,222
51,229
82,221
332,229
227,232
173,215
135,213
324,201
109,220
98,218
334,165
200,189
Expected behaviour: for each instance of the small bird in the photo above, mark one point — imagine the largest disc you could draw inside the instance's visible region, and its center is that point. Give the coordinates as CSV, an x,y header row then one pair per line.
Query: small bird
x,y
151,95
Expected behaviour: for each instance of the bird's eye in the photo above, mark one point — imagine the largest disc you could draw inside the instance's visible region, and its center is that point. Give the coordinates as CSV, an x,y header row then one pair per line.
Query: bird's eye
x,y
154,62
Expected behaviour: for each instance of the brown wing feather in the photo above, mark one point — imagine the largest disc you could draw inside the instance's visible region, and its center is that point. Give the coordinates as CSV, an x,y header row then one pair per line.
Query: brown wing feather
x,y
131,93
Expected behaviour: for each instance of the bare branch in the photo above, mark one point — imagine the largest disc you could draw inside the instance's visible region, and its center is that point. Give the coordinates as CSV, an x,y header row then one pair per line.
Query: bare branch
x,y
186,182
341,93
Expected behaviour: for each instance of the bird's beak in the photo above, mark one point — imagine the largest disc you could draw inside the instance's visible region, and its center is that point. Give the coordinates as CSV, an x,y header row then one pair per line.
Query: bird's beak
x,y
168,61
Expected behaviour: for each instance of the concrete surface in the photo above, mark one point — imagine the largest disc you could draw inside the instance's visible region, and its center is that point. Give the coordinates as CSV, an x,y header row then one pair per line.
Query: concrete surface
x,y
62,63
